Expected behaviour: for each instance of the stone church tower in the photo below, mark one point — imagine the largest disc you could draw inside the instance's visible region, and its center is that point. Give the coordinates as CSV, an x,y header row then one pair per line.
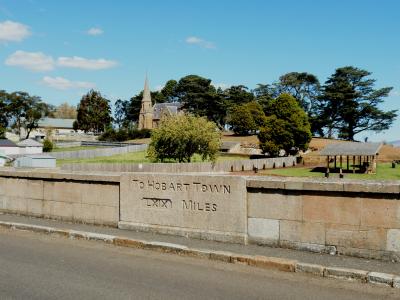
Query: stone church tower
x,y
146,111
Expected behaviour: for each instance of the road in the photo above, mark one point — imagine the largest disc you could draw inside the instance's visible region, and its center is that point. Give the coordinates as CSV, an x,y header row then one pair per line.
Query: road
x,y
36,266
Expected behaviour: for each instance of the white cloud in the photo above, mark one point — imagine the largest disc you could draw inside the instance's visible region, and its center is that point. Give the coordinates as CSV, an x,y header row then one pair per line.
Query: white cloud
x,y
13,32
95,31
194,40
84,63
61,83
34,61
221,85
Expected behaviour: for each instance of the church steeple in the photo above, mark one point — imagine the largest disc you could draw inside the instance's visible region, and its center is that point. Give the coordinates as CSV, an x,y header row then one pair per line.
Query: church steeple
x,y
146,91
146,110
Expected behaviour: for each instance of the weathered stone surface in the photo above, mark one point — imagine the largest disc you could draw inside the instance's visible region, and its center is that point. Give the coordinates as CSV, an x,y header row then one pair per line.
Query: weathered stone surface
x,y
381,278
380,213
317,270
281,264
331,209
393,240
343,273
275,206
355,237
205,203
302,232
396,282
264,229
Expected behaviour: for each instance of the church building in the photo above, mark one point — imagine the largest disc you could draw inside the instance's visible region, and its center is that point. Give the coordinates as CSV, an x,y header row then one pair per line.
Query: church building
x,y
151,115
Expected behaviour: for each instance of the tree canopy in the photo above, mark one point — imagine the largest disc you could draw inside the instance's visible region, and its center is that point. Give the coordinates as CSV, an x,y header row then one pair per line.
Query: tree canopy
x,y
349,104
286,127
94,113
179,137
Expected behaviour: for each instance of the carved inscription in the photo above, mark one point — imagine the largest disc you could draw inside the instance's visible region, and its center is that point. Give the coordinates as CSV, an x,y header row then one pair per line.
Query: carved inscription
x,y
183,186
198,206
157,202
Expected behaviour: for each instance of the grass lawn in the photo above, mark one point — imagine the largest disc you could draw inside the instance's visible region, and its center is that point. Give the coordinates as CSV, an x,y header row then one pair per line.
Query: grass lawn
x,y
384,172
74,148
134,157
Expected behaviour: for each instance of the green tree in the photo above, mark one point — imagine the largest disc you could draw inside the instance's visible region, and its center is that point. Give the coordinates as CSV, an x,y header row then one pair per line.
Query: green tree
x,y
36,109
3,113
94,113
241,120
120,113
349,104
238,94
179,137
304,87
200,98
246,118
264,94
25,111
286,127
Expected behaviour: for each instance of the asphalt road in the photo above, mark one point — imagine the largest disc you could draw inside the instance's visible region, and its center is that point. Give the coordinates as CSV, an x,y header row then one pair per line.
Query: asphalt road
x,y
35,266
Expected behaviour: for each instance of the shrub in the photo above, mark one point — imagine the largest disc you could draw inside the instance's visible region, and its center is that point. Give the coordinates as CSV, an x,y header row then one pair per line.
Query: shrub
x,y
180,137
121,135
47,145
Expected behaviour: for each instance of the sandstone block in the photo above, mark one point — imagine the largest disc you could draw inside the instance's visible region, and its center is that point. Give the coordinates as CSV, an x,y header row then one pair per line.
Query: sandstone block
x,y
35,207
331,209
393,240
352,236
280,264
396,282
275,206
63,191
317,270
343,273
302,232
381,278
266,229
380,212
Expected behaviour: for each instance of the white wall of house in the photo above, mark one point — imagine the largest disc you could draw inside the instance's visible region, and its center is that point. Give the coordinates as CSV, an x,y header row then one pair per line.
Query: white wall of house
x,y
31,150
10,150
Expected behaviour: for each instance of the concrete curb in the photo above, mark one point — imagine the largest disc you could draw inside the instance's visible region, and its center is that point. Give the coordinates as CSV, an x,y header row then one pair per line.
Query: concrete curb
x,y
281,264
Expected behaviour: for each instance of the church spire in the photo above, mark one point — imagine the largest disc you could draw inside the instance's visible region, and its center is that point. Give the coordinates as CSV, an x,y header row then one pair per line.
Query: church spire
x,y
146,111
146,91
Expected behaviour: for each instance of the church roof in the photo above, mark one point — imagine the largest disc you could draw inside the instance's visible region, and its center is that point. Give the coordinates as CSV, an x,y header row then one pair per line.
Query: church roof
x,y
173,108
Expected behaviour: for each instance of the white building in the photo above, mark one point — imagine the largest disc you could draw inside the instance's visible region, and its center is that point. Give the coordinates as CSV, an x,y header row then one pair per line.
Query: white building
x,y
30,146
8,147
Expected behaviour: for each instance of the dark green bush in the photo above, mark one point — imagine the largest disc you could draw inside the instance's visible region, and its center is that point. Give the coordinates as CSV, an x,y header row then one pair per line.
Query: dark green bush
x,y
121,135
47,145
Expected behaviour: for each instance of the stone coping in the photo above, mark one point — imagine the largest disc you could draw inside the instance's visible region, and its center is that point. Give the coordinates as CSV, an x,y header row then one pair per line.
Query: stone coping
x,y
324,184
57,174
255,182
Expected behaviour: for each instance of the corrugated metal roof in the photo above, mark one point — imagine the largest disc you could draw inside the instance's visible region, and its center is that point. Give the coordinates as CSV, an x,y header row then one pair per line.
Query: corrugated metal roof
x,y
351,148
7,143
56,123
29,143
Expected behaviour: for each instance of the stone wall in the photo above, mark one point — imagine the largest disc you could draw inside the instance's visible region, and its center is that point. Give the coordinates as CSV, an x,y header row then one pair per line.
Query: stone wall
x,y
360,218
348,217
78,198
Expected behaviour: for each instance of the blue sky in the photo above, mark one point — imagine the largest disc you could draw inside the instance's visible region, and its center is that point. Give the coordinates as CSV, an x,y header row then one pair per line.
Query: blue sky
x,y
60,49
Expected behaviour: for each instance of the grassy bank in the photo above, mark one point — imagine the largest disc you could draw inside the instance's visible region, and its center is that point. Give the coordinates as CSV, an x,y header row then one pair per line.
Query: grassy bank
x,y
384,172
135,157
